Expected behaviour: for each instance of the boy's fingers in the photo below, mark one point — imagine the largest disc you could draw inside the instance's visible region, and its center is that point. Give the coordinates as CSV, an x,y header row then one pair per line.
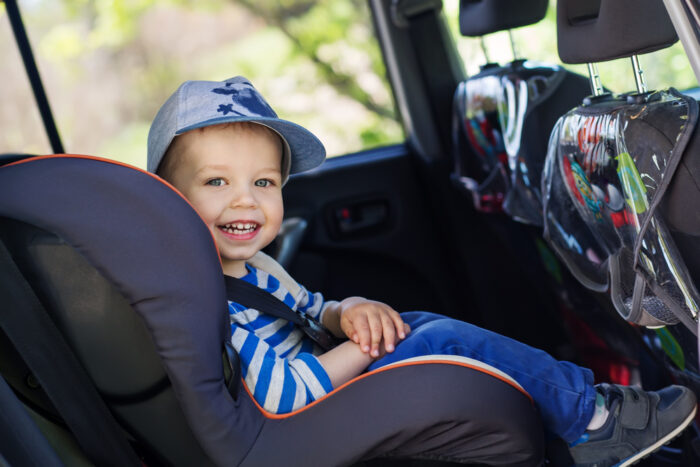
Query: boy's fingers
x,y
363,333
376,330
406,328
389,333
398,324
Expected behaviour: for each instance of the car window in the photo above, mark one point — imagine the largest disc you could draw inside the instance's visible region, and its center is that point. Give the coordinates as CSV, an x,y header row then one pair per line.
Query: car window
x,y
662,69
22,129
107,67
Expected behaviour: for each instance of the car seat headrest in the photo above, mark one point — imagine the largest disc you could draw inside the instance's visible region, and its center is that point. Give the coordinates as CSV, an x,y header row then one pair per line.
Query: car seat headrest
x,y
143,237
481,17
600,30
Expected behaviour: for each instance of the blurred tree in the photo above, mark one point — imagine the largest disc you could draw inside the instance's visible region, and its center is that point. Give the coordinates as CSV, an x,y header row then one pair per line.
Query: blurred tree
x,y
318,62
303,23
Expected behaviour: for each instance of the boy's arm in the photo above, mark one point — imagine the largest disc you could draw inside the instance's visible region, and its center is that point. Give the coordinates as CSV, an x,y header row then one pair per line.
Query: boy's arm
x,y
279,385
282,385
344,362
331,319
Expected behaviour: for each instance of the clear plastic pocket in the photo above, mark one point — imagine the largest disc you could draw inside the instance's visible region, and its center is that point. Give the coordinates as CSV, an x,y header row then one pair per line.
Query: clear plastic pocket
x,y
607,168
490,110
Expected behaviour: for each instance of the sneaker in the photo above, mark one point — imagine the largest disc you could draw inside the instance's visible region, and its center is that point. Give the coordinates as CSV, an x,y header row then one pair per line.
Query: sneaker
x,y
639,423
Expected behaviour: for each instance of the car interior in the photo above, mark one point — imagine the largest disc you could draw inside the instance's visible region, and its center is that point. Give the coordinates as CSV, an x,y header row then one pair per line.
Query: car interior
x,y
526,199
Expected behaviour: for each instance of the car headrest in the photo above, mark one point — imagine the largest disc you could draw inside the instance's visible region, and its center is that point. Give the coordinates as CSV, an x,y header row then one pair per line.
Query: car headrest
x,y
600,30
481,17
143,237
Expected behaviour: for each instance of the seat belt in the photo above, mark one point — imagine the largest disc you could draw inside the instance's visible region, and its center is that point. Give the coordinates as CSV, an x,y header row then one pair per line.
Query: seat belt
x,y
422,20
35,336
251,296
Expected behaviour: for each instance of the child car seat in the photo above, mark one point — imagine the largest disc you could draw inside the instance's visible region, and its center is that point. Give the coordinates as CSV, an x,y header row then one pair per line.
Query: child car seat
x,y
503,115
131,277
610,164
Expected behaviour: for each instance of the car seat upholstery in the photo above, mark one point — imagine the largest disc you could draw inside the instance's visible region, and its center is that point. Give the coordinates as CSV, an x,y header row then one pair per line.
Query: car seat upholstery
x,y
621,169
131,276
503,115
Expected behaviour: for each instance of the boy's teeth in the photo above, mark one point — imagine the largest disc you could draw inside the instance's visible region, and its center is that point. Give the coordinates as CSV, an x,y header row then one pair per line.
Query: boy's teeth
x,y
239,227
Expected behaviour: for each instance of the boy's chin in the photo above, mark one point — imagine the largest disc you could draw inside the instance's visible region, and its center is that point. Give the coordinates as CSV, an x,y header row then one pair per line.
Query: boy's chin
x,y
235,268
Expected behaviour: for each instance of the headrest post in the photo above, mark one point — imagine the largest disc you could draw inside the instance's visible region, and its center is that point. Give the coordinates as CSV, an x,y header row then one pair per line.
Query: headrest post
x,y
596,85
484,49
512,44
638,75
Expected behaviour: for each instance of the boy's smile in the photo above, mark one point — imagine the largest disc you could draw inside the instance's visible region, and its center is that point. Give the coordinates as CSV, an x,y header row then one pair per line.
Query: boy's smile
x,y
241,230
231,174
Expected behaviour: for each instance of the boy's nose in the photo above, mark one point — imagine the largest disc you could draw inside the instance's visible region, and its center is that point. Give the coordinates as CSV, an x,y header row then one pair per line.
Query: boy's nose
x,y
243,197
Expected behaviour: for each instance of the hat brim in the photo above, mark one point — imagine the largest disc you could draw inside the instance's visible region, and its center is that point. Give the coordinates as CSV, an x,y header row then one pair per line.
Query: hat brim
x,y
307,152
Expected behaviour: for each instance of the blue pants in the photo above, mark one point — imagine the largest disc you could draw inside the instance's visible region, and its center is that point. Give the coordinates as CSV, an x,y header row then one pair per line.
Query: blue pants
x,y
563,392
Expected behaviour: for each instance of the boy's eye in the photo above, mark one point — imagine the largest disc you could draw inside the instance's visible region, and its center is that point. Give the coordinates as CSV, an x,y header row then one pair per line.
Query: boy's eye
x,y
263,182
216,182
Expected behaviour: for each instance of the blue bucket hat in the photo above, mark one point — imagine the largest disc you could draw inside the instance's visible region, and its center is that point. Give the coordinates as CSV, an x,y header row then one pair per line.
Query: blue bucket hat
x,y
197,104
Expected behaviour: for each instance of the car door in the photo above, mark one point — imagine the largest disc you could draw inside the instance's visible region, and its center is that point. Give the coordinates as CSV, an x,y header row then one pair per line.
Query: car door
x,y
386,224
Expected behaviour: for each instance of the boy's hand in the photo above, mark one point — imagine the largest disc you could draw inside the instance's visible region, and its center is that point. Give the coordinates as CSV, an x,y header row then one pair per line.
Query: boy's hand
x,y
368,323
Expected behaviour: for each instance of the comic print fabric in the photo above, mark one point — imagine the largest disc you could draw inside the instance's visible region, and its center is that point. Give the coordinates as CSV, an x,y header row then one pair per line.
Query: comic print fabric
x,y
491,109
476,113
608,166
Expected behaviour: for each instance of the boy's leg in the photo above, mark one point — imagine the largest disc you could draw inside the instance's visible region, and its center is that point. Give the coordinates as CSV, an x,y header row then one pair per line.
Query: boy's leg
x,y
562,391
638,423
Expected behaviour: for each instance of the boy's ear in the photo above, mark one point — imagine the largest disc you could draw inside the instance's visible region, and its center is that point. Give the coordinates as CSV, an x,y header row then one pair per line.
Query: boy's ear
x,y
167,163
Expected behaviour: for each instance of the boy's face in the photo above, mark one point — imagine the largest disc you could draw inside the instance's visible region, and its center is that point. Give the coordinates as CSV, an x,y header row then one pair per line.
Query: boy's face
x,y
232,176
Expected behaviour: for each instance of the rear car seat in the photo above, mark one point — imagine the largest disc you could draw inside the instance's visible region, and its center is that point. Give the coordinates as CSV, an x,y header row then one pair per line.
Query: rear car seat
x,y
611,162
504,114
621,176
502,119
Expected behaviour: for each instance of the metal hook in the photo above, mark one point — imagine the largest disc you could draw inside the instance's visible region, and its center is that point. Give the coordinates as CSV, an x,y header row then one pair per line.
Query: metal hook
x,y
638,75
594,77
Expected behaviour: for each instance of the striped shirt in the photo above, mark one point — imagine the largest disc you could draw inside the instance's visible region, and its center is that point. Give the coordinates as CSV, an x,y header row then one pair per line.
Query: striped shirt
x,y
278,361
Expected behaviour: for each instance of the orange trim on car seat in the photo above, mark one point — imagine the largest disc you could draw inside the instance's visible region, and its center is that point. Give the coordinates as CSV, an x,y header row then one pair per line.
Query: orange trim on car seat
x,y
275,416
123,164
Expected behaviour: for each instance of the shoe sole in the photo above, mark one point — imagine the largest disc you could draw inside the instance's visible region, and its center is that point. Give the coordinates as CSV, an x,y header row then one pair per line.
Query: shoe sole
x,y
650,449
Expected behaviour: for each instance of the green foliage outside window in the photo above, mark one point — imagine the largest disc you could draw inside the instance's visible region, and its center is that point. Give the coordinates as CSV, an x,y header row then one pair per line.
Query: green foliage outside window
x,y
109,64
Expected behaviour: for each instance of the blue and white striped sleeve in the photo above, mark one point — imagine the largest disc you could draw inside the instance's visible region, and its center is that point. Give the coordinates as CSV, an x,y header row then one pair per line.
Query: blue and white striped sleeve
x,y
313,305
279,385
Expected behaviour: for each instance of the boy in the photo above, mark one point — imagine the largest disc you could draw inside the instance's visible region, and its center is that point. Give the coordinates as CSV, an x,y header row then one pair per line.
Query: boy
x,y
225,149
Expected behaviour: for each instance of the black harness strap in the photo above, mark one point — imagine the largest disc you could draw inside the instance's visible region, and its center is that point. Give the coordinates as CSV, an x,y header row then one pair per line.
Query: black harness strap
x,y
35,336
248,295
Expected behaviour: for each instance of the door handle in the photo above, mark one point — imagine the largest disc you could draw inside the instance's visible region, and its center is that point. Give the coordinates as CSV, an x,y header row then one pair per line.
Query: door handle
x,y
351,219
